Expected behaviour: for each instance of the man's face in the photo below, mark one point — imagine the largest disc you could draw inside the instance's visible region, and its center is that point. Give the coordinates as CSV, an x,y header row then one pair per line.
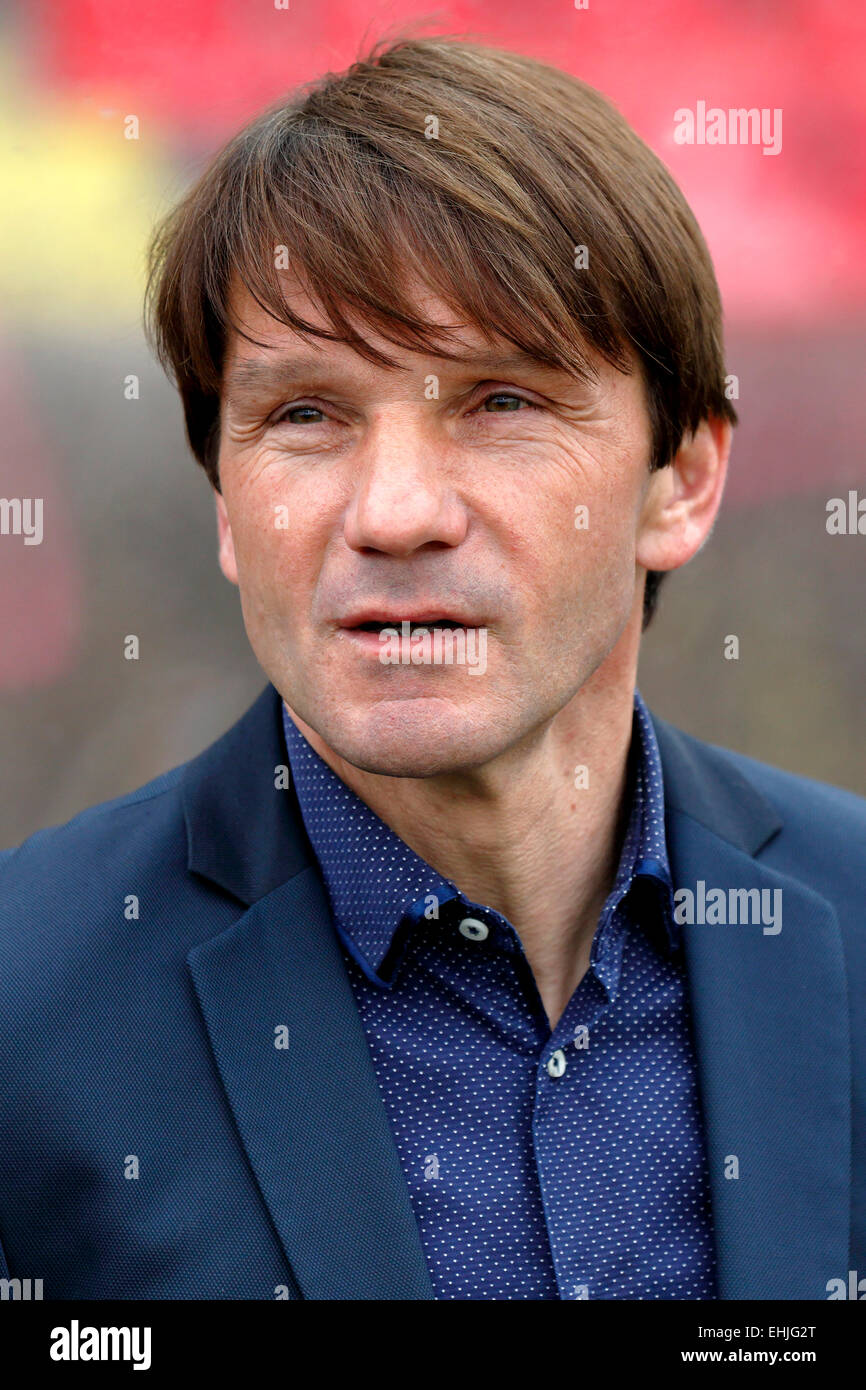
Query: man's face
x,y
356,494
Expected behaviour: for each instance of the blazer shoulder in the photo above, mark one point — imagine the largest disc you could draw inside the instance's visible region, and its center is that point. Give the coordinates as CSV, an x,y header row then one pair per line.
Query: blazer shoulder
x,y
787,793
60,884
827,808
89,828
816,832
65,885
103,907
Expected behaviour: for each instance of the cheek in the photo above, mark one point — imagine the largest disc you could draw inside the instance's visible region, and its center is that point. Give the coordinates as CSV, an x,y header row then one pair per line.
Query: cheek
x,y
580,573
603,558
270,532
260,549
576,539
282,531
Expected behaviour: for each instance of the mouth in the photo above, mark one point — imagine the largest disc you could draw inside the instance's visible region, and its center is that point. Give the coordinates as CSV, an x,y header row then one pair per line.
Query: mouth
x,y
373,625
373,619
374,636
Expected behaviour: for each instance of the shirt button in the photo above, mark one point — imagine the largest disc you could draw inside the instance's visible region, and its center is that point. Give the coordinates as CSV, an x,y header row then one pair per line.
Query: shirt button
x,y
474,930
556,1064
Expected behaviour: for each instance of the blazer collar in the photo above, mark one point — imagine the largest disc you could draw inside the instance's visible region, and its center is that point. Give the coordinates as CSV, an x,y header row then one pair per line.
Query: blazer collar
x,y
701,781
244,830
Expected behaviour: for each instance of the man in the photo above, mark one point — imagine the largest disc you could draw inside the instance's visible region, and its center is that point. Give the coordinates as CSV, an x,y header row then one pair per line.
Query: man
x,y
449,971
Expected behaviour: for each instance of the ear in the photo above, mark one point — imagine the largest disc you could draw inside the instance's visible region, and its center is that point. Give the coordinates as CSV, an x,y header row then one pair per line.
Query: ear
x,y
682,499
228,562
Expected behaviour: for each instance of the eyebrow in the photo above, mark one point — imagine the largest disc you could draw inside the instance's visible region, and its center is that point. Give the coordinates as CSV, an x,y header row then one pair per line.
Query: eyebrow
x,y
259,373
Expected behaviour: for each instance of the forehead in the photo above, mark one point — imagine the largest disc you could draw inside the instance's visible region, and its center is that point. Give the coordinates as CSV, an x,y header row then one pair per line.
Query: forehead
x,y
271,358
277,338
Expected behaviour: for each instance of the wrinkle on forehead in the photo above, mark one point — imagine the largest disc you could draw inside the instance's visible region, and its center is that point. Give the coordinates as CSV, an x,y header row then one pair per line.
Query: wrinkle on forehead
x,y
472,344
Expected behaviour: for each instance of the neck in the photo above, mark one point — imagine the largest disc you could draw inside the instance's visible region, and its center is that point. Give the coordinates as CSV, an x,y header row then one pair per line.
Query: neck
x,y
518,836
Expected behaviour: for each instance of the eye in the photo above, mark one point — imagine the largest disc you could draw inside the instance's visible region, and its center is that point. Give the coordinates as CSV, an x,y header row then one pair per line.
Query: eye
x,y
285,416
504,401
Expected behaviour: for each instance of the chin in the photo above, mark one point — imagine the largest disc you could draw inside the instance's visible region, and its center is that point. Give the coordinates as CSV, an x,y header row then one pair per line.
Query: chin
x,y
421,737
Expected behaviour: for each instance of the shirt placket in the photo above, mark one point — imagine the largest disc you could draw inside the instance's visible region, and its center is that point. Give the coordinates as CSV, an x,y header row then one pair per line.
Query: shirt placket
x,y
563,1080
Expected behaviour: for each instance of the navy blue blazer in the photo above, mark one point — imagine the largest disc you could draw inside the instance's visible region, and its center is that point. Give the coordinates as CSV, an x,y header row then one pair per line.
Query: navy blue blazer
x,y
146,1043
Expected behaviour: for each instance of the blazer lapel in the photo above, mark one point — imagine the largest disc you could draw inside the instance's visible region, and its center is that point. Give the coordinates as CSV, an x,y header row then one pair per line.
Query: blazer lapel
x,y
310,1113
770,1018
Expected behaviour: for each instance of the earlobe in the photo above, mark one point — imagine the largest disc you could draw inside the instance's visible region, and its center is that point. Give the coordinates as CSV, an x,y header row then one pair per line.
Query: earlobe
x,y
683,499
227,559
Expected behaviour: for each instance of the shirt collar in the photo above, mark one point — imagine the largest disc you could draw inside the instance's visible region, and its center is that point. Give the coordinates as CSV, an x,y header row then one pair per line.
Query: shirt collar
x,y
644,873
378,886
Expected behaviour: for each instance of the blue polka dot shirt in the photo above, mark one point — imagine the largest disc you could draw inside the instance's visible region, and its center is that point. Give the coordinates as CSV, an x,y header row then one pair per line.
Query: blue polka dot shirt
x,y
564,1164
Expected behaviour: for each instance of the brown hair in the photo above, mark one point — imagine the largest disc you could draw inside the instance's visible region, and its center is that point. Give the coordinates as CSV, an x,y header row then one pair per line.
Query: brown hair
x,y
528,164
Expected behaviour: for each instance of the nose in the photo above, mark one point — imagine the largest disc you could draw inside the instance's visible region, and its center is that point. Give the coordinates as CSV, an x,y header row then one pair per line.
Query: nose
x,y
404,495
